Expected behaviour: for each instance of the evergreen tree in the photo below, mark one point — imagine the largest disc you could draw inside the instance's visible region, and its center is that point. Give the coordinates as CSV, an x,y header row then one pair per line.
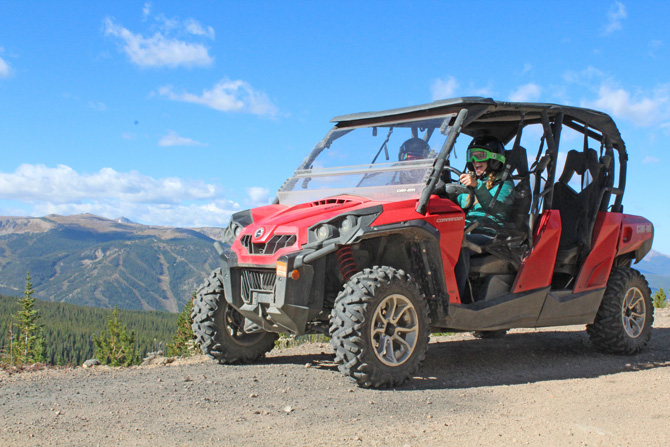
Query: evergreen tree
x,y
28,344
183,341
115,347
68,329
660,299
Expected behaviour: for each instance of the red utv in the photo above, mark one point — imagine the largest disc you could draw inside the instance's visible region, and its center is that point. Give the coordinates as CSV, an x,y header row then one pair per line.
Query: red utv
x,y
362,241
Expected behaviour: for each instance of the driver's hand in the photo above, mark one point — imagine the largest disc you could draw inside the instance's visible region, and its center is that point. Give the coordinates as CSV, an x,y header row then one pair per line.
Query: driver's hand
x,y
468,180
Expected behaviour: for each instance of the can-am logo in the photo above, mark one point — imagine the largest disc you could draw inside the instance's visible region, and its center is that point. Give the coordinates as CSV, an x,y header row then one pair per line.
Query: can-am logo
x,y
646,228
259,232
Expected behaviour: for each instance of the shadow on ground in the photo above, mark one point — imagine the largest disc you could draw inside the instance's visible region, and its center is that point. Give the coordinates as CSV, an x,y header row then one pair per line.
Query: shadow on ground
x,y
514,359
530,357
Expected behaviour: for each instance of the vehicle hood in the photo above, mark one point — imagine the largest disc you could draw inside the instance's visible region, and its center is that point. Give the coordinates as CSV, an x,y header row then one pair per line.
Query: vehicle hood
x,y
283,222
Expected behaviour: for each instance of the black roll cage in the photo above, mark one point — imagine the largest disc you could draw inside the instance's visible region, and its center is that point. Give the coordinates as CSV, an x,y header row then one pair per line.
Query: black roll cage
x,y
475,116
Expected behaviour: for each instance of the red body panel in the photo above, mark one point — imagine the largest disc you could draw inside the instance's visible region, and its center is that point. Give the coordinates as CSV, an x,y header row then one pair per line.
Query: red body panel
x,y
613,234
538,267
262,212
598,264
635,231
442,214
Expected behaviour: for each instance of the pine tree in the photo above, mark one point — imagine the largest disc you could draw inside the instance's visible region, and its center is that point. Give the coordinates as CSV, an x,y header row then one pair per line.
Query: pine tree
x,y
660,299
115,347
28,346
183,341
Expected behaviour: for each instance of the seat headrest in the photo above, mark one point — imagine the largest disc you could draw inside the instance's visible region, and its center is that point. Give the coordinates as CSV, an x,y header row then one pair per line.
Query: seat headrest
x,y
517,160
578,163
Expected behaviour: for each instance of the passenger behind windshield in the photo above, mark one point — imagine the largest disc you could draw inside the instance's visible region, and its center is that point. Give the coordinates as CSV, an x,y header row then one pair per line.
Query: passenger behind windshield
x,y
492,197
413,149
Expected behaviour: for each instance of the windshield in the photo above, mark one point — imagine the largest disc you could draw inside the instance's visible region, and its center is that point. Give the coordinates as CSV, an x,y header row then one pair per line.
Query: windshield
x,y
388,162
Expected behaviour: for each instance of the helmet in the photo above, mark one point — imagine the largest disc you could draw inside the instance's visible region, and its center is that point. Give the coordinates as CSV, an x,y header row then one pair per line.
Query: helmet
x,y
486,148
413,149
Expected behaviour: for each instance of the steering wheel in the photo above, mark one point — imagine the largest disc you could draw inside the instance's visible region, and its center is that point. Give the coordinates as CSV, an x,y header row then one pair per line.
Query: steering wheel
x,y
455,189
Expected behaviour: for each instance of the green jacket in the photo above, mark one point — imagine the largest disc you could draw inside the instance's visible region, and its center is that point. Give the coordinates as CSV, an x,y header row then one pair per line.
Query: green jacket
x,y
485,206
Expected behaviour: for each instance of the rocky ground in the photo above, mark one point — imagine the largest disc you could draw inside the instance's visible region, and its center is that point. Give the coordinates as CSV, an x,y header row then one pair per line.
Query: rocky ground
x,y
533,387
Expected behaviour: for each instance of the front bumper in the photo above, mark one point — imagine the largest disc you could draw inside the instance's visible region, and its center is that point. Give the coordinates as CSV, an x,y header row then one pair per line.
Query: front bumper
x,y
274,302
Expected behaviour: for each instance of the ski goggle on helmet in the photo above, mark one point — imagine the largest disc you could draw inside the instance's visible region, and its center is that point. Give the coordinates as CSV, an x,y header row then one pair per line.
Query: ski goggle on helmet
x,y
478,154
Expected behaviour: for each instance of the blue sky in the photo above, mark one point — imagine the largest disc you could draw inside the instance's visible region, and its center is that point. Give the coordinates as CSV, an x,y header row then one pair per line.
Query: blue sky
x,y
180,113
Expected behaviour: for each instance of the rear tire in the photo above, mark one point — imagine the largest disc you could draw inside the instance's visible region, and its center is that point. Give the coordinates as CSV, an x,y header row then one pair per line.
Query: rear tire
x,y
219,328
623,322
379,328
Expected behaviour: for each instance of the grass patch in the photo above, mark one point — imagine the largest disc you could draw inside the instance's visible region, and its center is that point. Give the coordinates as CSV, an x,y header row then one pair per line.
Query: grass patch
x,y
291,341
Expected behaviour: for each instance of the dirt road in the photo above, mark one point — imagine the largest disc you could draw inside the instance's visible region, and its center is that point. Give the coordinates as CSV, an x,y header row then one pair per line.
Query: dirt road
x,y
533,387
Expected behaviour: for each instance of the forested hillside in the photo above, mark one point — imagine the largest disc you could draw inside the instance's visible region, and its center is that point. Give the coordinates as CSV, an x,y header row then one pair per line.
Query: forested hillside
x,y
68,329
92,261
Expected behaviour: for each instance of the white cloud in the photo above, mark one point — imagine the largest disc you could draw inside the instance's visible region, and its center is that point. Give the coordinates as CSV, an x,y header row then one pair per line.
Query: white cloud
x,y
450,87
194,27
172,139
650,160
63,184
586,76
108,193
158,50
211,214
526,93
5,69
97,105
646,108
258,195
442,89
146,11
641,109
483,91
653,46
615,15
227,96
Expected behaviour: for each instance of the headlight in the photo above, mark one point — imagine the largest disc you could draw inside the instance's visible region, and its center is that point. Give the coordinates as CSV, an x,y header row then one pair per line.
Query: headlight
x,y
348,223
323,232
237,231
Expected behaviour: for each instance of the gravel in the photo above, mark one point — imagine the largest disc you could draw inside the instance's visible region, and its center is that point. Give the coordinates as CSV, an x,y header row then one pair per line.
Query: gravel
x,y
532,387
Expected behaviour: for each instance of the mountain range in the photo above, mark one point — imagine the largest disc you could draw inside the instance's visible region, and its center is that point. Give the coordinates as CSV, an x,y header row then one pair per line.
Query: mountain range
x,y
656,268
93,261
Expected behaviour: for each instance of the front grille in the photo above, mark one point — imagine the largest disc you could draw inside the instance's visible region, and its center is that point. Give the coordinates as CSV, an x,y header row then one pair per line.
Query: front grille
x,y
255,282
276,242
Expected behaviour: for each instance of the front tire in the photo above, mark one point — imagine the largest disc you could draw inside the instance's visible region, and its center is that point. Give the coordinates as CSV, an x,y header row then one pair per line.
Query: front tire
x,y
379,328
623,322
219,328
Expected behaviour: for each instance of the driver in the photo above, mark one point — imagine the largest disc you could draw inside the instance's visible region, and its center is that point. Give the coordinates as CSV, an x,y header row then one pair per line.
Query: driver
x,y
492,197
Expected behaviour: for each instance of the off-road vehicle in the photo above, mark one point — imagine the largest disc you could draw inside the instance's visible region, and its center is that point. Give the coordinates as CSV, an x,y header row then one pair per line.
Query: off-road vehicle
x,y
361,242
